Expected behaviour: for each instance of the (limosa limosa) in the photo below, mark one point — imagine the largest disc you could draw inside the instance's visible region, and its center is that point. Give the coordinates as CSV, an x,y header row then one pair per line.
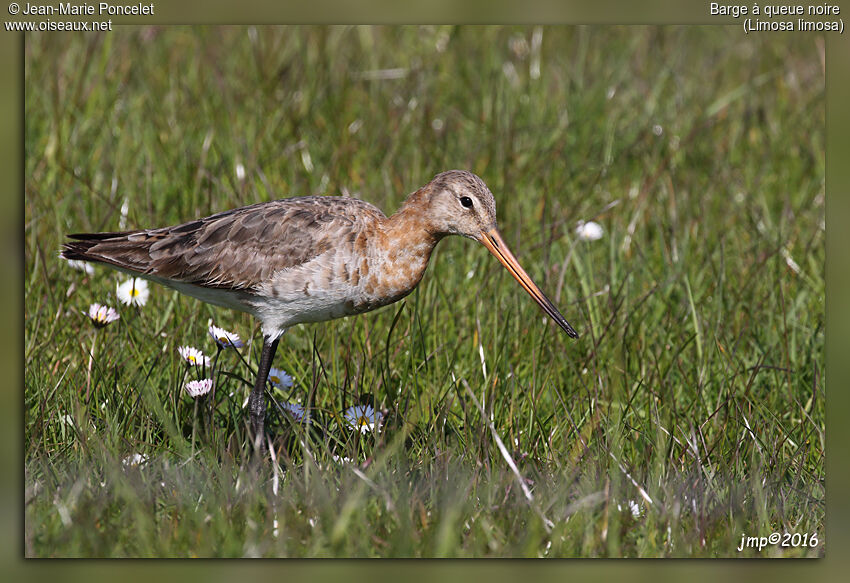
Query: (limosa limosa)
x,y
309,259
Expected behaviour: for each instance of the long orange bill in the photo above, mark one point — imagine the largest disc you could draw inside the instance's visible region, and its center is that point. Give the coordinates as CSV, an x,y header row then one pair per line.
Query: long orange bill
x,y
496,245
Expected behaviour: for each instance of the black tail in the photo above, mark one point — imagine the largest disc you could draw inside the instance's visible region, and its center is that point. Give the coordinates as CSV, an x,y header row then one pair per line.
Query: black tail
x,y
81,249
77,250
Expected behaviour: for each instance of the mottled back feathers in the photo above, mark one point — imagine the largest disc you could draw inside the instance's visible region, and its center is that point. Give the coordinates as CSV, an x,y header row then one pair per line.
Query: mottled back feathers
x,y
236,249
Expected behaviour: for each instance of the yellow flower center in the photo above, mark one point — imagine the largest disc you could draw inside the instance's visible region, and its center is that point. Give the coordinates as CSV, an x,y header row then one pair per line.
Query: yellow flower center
x,y
274,379
192,359
134,292
362,421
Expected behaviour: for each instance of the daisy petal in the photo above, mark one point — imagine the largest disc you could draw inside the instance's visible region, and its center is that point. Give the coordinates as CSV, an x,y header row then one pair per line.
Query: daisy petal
x,y
295,410
133,292
361,418
102,315
83,266
279,378
193,357
225,339
589,231
198,388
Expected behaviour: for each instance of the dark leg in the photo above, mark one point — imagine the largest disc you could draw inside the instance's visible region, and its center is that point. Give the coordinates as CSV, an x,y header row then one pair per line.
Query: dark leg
x,y
257,400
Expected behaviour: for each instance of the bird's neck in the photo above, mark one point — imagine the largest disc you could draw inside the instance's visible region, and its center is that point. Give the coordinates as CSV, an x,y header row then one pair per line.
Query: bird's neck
x,y
399,253
411,222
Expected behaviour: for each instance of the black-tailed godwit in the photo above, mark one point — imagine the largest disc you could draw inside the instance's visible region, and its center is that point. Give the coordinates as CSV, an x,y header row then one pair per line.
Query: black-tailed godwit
x,y
309,259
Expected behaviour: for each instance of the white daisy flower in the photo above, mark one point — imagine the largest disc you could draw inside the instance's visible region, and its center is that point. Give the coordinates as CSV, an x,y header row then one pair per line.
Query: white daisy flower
x,y
279,378
102,315
133,292
83,266
198,388
193,356
589,231
125,210
295,410
361,417
225,339
135,460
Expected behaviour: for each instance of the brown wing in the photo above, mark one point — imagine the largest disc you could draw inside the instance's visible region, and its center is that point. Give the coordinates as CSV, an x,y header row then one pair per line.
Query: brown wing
x,y
234,249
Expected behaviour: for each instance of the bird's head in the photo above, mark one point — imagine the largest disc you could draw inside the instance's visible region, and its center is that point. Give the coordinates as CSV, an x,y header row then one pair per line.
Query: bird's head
x,y
459,203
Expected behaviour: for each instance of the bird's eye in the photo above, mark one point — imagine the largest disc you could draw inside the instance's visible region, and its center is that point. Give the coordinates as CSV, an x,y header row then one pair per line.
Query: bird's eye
x,y
466,201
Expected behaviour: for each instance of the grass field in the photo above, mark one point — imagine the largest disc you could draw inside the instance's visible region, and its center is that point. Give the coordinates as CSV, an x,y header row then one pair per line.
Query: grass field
x,y
689,413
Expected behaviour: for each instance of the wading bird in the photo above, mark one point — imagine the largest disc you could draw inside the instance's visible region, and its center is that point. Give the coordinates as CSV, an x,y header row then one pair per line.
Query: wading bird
x,y
309,259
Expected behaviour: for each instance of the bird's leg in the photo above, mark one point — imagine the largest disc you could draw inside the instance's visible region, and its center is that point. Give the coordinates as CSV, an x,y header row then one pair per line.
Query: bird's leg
x,y
257,400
